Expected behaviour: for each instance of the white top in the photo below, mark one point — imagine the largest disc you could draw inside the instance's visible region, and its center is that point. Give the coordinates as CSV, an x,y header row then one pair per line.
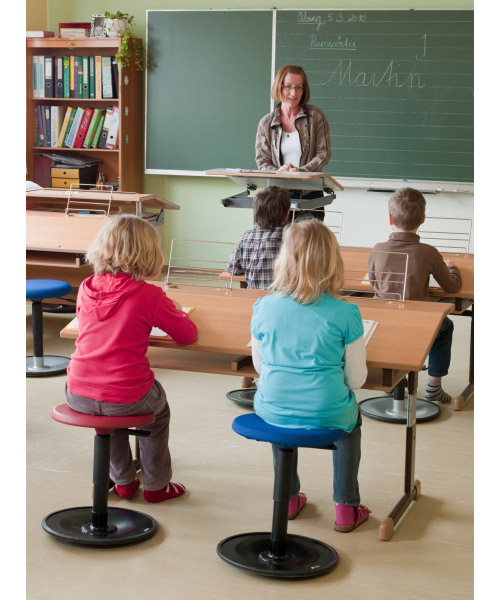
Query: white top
x,y
290,148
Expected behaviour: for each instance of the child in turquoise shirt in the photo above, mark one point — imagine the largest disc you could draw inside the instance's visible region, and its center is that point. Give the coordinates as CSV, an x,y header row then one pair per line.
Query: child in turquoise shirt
x,y
309,349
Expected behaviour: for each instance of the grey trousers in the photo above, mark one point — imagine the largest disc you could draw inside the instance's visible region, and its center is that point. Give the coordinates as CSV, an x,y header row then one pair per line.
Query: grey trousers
x,y
155,455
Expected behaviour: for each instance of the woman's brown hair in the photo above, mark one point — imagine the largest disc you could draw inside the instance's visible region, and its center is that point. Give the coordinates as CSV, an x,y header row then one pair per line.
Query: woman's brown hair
x,y
280,78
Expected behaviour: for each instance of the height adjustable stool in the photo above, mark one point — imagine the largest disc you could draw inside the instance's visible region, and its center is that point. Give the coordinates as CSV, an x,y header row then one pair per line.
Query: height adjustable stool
x,y
98,525
38,290
278,554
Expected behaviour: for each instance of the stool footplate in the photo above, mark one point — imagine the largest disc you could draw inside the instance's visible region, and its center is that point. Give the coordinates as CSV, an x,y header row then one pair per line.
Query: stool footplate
x,y
46,366
304,557
383,408
125,526
244,396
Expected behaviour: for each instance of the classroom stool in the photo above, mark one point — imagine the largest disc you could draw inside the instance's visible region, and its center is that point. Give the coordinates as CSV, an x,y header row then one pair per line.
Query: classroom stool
x,y
37,290
244,396
278,554
394,409
98,525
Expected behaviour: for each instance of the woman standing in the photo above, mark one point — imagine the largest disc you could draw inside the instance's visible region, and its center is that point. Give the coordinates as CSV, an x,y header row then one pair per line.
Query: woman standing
x,y
295,136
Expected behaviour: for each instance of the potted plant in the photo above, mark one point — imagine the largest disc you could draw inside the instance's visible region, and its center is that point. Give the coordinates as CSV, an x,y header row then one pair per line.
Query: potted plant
x,y
122,24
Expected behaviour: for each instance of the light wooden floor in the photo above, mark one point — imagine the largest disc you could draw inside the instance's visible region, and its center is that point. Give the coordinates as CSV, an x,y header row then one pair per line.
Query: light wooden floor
x,y
229,482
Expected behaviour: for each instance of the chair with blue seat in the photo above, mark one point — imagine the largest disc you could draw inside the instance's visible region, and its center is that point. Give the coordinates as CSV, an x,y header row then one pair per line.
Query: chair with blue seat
x,y
38,290
98,525
279,554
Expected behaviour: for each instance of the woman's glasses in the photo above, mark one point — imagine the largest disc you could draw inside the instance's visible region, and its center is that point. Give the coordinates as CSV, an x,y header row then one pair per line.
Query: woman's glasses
x,y
289,88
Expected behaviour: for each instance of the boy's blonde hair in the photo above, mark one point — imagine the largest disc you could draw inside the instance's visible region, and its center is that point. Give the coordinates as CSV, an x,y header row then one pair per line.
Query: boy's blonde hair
x,y
309,263
407,208
126,244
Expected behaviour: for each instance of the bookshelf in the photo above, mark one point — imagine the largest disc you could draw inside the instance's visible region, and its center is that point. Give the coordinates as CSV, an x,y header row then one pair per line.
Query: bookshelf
x,y
126,162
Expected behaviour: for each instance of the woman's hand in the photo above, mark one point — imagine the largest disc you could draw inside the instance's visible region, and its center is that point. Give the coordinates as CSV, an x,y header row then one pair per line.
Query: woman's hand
x,y
288,167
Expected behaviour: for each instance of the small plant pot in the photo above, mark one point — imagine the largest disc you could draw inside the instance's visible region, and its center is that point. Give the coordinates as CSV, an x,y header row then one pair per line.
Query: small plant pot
x,y
115,27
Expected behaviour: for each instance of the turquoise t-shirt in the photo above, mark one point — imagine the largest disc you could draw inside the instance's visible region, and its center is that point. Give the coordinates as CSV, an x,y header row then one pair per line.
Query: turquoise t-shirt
x,y
301,384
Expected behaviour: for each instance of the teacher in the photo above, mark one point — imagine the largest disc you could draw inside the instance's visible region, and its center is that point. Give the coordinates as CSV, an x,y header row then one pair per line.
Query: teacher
x,y
295,136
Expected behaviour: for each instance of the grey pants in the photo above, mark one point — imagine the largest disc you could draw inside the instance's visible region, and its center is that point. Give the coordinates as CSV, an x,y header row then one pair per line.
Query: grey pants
x,y
155,455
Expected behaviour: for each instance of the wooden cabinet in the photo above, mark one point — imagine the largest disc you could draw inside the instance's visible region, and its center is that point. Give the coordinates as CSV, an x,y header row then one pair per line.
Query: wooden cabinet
x,y
126,163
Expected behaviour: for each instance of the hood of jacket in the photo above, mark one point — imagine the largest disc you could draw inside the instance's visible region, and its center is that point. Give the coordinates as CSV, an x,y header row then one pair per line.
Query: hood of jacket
x,y
101,294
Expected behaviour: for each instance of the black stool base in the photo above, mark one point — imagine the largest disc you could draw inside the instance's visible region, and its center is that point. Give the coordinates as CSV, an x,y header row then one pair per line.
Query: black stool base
x,y
52,365
59,308
381,408
125,526
305,557
244,396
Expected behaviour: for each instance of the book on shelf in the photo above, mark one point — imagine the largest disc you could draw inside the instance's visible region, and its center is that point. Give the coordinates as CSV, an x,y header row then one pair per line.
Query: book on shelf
x,y
66,77
92,77
64,126
49,81
114,123
107,83
56,120
39,118
41,77
98,78
77,121
58,67
105,128
35,76
114,74
46,112
37,130
73,25
71,76
80,77
82,131
92,128
85,77
98,132
39,34
75,77
69,126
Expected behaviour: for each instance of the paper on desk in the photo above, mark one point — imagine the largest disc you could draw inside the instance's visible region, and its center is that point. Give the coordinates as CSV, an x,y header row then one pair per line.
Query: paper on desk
x,y
369,327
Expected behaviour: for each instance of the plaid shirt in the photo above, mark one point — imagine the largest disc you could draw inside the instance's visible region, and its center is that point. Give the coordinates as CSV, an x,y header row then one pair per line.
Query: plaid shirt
x,y
255,254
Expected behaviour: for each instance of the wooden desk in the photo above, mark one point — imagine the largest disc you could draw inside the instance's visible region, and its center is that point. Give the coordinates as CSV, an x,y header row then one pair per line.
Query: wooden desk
x,y
399,346
356,267
56,241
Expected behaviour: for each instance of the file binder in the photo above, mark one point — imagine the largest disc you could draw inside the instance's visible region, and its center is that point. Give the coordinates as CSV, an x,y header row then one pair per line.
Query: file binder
x,y
66,77
113,129
85,70
82,131
59,77
56,117
92,128
91,76
46,123
64,126
68,128
105,128
49,80
107,85
74,127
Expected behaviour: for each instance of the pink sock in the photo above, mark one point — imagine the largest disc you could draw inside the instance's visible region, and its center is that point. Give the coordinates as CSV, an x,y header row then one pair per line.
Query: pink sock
x,y
129,490
172,490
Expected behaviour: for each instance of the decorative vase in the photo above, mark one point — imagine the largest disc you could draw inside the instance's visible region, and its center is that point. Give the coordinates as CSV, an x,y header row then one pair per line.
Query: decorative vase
x,y
115,27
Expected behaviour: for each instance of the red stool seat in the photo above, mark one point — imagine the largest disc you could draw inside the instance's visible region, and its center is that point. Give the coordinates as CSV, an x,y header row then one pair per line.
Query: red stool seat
x,y
65,414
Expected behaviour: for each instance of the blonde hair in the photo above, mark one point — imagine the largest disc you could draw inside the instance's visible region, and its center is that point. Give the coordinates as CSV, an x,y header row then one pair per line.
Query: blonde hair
x,y
126,244
407,208
309,263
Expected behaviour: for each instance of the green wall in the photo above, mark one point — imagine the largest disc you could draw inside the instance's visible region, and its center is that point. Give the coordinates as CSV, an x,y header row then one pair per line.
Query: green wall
x,y
202,216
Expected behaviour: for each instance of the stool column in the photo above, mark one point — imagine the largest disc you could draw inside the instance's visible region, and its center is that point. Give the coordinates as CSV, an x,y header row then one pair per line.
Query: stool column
x,y
281,497
37,321
101,481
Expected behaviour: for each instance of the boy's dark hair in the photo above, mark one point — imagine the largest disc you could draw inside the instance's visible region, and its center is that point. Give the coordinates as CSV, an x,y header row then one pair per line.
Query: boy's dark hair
x,y
407,208
271,206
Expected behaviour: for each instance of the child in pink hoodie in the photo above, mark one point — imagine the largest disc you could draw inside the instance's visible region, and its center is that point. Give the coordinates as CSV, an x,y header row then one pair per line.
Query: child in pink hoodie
x,y
109,373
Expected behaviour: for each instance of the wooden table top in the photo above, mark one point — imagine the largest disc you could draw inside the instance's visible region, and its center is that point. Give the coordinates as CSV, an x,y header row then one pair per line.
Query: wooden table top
x,y
285,176
60,196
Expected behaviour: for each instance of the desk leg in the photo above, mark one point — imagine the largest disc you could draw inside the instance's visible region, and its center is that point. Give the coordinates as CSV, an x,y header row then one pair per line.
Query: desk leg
x,y
411,485
460,400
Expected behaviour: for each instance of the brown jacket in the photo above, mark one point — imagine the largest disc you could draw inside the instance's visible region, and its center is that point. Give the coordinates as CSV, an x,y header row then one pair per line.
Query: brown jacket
x,y
314,133
423,261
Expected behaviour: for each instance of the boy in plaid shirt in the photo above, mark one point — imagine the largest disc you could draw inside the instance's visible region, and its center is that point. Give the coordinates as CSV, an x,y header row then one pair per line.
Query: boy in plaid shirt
x,y
256,251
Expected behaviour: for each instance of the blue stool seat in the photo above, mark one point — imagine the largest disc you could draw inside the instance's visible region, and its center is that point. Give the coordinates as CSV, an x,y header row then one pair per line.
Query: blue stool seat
x,y
37,290
279,554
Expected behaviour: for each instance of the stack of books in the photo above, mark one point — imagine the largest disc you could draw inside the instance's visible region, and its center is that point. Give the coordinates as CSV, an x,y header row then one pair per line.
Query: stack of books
x,y
61,127
74,30
94,77
39,34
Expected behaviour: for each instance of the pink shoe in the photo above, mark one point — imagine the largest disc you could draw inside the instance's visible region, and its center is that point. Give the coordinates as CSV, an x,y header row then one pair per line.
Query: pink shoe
x,y
129,490
172,490
295,505
350,517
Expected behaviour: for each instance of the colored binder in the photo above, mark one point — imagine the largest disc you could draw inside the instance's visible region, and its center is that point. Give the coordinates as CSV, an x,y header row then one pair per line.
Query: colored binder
x,y
98,132
40,119
105,128
35,76
41,77
56,119
58,67
114,73
46,112
71,76
85,88
98,78
77,121
107,83
114,123
91,76
49,79
64,126
80,77
37,129
92,128
68,128
75,77
66,77
82,131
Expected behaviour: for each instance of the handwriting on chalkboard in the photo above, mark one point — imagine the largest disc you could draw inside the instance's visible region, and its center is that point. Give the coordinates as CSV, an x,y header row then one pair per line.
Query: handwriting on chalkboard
x,y
305,18
340,43
390,77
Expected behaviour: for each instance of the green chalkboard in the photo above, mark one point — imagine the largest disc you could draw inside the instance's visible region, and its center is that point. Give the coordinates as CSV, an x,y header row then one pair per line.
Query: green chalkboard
x,y
396,86
208,84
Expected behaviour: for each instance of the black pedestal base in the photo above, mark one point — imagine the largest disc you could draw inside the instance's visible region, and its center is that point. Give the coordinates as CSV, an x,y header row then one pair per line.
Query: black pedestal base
x,y
125,526
305,557
244,396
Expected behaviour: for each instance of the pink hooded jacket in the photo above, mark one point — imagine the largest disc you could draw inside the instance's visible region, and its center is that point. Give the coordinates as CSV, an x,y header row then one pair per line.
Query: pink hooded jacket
x,y
115,316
